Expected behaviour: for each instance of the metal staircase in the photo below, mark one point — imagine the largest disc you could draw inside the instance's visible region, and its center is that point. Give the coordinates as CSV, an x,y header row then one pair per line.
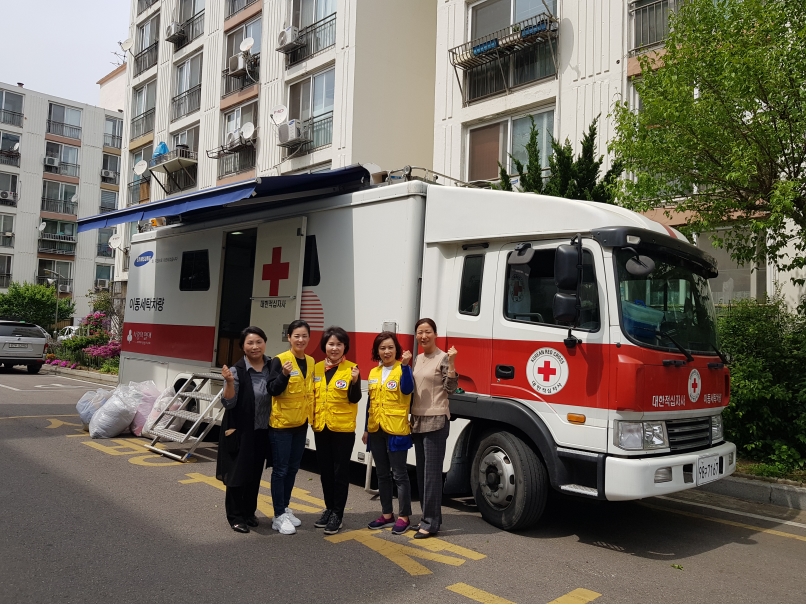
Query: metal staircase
x,y
188,394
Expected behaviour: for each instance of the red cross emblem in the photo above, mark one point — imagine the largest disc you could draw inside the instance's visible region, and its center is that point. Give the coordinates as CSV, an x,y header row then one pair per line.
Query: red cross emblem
x,y
694,385
546,371
275,271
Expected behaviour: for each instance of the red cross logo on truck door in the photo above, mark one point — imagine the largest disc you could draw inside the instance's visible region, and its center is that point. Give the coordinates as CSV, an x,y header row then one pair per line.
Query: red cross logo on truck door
x,y
546,371
694,386
275,271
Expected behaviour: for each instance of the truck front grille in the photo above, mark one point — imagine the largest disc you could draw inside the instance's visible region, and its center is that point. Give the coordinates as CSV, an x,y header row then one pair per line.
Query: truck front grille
x,y
688,434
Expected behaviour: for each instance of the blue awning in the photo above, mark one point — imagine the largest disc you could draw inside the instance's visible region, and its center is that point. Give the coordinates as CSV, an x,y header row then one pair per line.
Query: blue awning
x,y
262,191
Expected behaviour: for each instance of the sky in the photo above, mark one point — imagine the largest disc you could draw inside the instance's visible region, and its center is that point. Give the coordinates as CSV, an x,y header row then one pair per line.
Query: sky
x,y
61,47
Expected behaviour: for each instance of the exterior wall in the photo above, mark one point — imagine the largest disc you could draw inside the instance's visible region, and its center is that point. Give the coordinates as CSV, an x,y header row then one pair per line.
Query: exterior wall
x,y
28,213
112,93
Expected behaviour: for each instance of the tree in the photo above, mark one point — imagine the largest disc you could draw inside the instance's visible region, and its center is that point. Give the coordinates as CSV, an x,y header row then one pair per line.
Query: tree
x,y
721,129
568,177
34,303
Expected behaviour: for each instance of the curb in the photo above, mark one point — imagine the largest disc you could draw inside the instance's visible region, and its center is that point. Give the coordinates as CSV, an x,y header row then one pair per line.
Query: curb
x,y
107,379
763,492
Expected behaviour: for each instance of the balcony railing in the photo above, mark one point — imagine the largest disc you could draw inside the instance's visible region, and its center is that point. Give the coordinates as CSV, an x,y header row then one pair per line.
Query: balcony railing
x,y
142,124
10,158
232,84
9,200
42,280
54,243
105,251
6,241
186,103
64,130
59,206
104,208
145,59
5,279
139,191
317,132
113,140
517,55
192,29
237,161
114,179
180,180
650,20
144,4
11,117
64,169
236,6
314,39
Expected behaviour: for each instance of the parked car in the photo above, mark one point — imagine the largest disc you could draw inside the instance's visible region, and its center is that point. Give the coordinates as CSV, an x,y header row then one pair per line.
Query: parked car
x,y
22,344
67,332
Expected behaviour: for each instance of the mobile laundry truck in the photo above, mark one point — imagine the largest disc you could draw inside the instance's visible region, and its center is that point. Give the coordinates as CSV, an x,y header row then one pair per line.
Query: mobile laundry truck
x,y
609,386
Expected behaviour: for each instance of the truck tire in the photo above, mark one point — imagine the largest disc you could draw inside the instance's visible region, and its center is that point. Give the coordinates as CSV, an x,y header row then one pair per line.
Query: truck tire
x,y
33,368
505,462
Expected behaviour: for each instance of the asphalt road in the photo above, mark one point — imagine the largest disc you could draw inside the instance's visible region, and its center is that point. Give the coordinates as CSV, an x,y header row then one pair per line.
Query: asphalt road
x,y
106,521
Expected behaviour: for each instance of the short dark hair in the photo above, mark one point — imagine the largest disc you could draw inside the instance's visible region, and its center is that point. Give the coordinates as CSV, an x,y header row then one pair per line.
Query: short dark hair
x,y
297,323
340,334
251,330
426,320
377,343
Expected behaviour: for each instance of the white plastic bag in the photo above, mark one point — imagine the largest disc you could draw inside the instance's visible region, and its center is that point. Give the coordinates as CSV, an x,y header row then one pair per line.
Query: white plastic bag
x,y
162,402
115,415
145,394
91,402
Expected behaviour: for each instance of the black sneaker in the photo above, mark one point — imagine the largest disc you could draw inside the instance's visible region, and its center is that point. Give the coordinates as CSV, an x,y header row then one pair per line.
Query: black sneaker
x,y
334,524
322,522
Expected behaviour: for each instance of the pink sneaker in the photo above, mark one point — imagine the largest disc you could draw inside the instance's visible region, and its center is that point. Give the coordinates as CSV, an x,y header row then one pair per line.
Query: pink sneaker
x,y
401,527
381,522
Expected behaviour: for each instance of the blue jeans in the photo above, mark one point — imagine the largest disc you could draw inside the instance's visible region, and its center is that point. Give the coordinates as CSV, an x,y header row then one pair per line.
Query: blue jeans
x,y
287,447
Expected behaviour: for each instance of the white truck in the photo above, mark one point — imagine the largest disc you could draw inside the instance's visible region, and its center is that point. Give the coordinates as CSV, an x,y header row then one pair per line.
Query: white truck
x,y
586,332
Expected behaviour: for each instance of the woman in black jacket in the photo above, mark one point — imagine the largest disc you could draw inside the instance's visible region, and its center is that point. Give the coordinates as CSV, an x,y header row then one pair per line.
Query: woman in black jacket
x,y
243,443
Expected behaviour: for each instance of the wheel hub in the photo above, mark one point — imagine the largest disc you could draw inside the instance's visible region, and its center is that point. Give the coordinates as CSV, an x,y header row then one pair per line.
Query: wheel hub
x,y
497,477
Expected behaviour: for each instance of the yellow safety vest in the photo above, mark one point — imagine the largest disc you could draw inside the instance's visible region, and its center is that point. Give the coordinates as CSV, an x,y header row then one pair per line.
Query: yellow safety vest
x,y
294,406
389,407
332,408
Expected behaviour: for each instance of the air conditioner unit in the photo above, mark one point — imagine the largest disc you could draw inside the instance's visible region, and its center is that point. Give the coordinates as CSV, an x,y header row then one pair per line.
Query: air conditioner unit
x,y
237,65
7,234
64,289
233,140
174,32
102,284
292,133
288,39
8,195
108,174
52,162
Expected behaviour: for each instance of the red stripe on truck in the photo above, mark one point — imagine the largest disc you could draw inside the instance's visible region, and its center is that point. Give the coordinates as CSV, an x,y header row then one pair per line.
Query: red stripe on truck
x,y
182,342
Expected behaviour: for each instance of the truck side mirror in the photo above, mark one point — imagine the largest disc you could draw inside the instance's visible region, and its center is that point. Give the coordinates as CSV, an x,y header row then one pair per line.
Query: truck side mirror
x,y
566,272
565,308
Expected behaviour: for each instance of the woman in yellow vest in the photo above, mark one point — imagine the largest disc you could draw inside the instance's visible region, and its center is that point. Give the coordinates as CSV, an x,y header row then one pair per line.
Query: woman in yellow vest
x,y
390,386
290,385
337,390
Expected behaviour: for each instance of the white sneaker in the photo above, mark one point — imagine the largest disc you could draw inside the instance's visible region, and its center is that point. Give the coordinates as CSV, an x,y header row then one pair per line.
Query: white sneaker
x,y
290,514
283,525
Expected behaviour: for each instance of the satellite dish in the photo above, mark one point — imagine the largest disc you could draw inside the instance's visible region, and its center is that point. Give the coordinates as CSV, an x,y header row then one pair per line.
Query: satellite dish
x,y
248,131
140,167
115,241
279,114
126,44
247,45
74,199
16,147
41,227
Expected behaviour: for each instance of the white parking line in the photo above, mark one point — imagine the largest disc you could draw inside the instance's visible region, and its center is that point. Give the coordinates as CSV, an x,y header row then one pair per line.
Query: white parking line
x,y
734,512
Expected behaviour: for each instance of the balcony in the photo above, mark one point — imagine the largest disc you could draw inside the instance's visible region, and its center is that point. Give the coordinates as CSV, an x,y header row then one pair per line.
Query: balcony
x,y
64,130
236,6
145,59
233,161
233,84
142,124
180,168
44,280
63,168
6,241
650,21
11,117
9,198
113,140
186,103
191,29
105,251
317,132
54,243
59,206
312,40
9,157
142,5
104,208
139,191
110,177
5,279
512,57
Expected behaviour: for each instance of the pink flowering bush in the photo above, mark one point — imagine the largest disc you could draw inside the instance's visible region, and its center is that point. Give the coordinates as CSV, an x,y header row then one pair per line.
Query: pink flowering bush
x,y
107,351
74,366
96,322
64,364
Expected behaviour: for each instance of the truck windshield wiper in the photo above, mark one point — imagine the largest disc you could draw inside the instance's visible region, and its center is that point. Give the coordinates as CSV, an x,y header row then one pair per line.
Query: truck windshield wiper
x,y
682,349
722,356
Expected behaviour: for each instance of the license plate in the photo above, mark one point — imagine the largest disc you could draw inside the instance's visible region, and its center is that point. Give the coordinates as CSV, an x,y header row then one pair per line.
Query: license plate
x,y
707,470
15,345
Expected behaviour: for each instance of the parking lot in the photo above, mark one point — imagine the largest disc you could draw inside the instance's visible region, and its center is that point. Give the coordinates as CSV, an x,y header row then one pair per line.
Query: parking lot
x,y
107,520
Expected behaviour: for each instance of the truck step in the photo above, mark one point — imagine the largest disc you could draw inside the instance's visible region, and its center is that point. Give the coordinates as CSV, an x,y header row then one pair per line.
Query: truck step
x,y
170,435
197,395
580,489
183,414
211,376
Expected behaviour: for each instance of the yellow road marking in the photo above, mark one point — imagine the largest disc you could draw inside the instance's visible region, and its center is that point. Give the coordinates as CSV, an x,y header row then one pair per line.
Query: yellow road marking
x,y
163,461
41,416
56,423
774,532
300,494
397,553
264,503
476,594
437,545
578,595
124,447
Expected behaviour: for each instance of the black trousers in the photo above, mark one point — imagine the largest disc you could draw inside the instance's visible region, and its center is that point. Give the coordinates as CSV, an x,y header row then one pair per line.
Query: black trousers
x,y
240,502
429,450
333,451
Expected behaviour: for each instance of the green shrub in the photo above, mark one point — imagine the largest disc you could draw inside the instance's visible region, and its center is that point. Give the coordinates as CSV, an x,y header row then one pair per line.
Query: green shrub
x,y
79,343
766,417
110,366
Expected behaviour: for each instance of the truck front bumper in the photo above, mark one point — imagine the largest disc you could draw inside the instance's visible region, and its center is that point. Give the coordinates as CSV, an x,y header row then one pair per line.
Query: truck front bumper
x,y
634,478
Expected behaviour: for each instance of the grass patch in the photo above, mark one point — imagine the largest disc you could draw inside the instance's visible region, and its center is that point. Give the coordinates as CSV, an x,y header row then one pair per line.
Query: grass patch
x,y
760,469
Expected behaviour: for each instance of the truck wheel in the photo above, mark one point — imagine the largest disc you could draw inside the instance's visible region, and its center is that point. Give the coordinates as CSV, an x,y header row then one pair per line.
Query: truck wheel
x,y
34,368
509,482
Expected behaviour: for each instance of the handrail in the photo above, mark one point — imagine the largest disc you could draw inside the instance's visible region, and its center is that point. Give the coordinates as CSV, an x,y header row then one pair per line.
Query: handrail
x,y
11,117
236,6
142,124
192,28
59,206
63,129
314,39
186,103
145,59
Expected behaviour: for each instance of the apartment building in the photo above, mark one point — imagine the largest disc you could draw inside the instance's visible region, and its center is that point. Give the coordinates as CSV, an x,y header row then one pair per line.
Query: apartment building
x,y
59,160
238,89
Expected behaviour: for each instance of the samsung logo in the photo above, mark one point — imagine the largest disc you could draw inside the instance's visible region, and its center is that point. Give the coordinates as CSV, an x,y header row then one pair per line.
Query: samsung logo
x,y
143,259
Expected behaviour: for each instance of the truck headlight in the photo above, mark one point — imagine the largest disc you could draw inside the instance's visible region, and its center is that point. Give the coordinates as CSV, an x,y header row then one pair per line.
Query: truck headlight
x,y
716,428
641,435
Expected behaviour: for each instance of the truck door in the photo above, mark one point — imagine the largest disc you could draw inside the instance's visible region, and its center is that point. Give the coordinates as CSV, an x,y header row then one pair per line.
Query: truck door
x,y
530,359
277,284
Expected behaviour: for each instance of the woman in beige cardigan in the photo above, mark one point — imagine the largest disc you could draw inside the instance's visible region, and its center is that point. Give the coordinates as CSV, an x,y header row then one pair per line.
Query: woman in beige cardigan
x,y
434,379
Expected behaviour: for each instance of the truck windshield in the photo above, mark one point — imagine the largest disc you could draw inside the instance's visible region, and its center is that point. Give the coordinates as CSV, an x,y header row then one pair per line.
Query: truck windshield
x,y
671,303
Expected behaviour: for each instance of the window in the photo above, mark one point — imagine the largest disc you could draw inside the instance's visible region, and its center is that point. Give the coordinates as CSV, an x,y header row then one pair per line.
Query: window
x,y
144,153
67,156
650,22
103,243
24,330
63,268
113,131
148,33
111,162
195,272
311,100
8,140
58,197
5,270
145,98
236,118
59,228
188,138
470,288
310,267
64,115
10,108
8,182
6,223
104,272
109,200
189,9
531,290
491,144
307,12
188,74
493,15
238,35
